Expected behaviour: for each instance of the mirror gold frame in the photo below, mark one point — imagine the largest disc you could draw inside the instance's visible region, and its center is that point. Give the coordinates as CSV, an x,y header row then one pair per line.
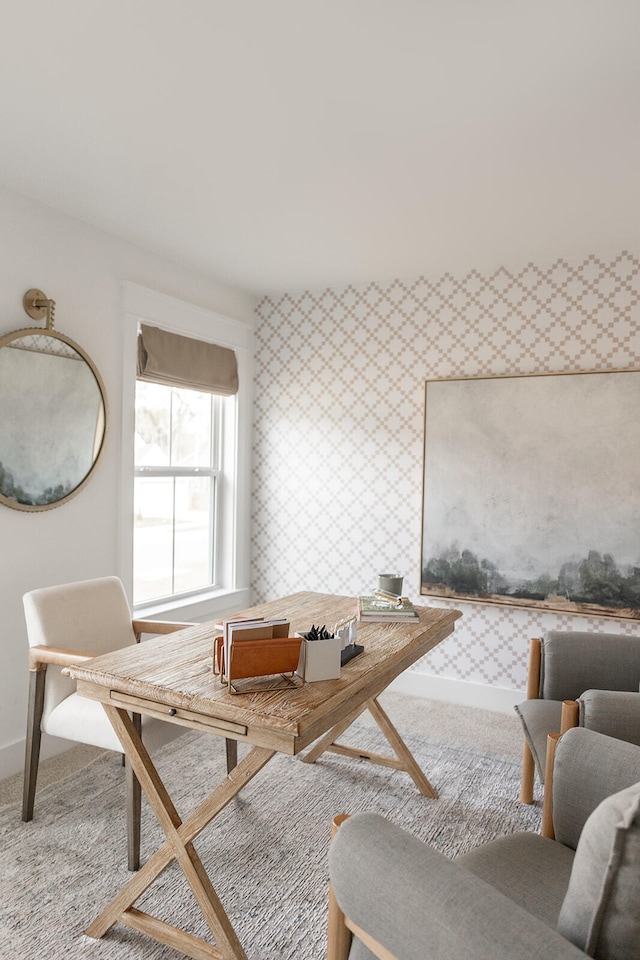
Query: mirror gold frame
x,y
53,418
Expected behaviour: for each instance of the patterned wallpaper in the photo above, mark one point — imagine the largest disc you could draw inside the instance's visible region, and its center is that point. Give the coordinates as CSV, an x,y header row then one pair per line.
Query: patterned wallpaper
x,y
339,397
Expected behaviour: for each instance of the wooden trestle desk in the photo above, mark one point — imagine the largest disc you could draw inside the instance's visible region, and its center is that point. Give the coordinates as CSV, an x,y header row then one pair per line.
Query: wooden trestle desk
x,y
171,677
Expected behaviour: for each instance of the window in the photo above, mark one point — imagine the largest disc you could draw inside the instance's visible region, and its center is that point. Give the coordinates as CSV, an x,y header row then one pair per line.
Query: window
x,y
185,491
178,490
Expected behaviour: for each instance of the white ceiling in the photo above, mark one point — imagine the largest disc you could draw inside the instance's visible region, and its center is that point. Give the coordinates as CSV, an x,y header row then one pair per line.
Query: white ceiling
x,y
282,144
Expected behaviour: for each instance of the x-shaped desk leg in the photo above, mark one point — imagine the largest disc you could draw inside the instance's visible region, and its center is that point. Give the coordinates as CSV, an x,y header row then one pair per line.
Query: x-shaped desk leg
x,y
404,759
178,846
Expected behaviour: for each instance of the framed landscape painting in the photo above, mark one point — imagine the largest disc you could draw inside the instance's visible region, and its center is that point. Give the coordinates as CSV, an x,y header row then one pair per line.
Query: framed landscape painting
x,y
531,491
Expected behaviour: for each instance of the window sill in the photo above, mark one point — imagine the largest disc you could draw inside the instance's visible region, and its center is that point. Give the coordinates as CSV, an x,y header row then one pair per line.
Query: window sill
x,y
203,607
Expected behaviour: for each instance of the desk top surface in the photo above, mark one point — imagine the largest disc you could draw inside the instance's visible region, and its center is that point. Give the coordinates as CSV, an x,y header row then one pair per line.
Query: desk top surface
x,y
175,671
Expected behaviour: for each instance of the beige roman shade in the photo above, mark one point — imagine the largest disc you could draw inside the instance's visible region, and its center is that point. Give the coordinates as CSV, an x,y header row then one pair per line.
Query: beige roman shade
x,y
178,361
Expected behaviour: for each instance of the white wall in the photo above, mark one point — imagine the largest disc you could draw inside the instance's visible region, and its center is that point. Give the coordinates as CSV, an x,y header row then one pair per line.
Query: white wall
x,y
82,269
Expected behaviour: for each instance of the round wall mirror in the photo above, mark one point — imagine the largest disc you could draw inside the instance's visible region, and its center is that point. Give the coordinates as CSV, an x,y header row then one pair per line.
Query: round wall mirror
x,y
53,418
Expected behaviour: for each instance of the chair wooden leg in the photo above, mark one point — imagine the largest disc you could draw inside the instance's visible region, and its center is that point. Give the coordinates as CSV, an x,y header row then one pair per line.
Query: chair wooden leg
x,y
37,679
338,934
533,692
547,803
232,753
134,808
528,773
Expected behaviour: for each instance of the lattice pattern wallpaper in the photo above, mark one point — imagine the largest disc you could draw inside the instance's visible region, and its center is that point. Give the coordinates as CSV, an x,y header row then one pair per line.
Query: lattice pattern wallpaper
x,y
339,400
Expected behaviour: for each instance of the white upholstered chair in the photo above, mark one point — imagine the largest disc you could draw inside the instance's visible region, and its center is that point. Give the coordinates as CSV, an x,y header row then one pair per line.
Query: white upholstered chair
x,y
67,624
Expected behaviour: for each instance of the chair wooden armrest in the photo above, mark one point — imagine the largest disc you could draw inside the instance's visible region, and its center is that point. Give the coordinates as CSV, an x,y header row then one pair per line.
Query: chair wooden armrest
x,y
157,626
340,928
338,934
570,718
546,827
570,715
41,656
534,668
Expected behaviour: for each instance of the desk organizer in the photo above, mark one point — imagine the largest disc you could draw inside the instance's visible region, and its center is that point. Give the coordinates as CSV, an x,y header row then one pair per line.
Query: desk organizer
x,y
320,659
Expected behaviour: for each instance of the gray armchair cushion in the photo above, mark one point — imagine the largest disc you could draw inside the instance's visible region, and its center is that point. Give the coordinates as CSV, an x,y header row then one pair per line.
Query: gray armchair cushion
x,y
539,719
615,713
574,662
418,904
588,768
601,911
529,869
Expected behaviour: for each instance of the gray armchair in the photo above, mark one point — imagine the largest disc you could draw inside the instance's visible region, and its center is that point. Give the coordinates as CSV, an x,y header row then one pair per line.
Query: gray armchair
x,y
515,898
596,675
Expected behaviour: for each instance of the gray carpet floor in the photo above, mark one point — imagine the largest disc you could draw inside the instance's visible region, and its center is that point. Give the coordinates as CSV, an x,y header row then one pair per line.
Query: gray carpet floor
x,y
265,853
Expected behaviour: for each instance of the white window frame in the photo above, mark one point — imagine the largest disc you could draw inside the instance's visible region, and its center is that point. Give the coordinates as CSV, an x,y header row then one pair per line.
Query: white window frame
x,y
140,304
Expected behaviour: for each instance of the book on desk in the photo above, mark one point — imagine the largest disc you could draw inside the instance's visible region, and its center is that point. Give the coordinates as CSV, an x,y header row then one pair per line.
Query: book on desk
x,y
380,610
258,654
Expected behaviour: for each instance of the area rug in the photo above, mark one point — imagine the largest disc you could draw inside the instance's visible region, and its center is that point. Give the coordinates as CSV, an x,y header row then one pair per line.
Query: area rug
x,y
266,853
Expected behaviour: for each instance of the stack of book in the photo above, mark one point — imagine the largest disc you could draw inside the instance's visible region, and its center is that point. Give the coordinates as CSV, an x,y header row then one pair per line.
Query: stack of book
x,y
380,609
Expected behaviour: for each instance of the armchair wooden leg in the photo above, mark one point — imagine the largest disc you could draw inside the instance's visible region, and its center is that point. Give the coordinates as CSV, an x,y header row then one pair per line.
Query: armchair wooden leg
x,y
533,692
547,803
528,773
134,808
338,934
37,679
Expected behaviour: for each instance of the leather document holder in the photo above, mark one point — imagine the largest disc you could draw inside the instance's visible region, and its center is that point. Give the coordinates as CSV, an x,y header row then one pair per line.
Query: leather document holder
x,y
257,651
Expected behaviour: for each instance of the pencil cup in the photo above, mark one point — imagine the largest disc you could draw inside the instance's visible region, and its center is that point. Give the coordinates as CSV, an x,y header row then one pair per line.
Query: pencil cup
x,y
320,659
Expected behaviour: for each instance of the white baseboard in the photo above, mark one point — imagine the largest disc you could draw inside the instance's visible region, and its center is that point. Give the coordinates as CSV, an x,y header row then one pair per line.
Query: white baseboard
x,y
458,691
